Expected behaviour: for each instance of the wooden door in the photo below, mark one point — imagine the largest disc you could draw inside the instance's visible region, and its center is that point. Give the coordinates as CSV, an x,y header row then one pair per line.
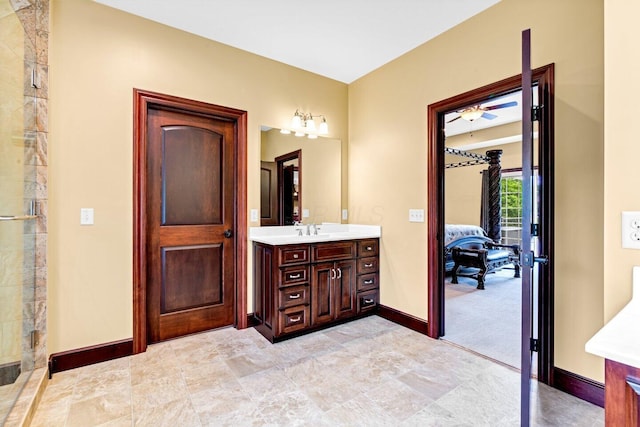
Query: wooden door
x,y
189,215
323,306
345,288
269,194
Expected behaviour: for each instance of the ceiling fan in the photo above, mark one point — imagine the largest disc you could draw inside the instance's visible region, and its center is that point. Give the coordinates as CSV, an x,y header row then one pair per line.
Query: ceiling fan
x,y
477,111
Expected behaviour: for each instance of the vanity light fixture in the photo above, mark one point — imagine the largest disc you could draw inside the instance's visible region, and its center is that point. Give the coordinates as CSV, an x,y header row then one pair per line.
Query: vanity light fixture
x,y
304,124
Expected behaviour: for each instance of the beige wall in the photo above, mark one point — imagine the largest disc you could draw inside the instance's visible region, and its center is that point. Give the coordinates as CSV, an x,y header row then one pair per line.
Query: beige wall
x,y
622,148
463,186
98,55
388,152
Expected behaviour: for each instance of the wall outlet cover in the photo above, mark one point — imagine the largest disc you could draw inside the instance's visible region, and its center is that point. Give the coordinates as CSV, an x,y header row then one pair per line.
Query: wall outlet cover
x,y
630,228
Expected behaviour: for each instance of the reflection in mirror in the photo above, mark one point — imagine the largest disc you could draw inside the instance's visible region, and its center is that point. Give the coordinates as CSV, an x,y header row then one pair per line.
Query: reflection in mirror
x,y
290,192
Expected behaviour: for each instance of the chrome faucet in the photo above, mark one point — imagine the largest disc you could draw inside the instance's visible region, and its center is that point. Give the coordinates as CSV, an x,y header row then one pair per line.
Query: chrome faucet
x,y
315,229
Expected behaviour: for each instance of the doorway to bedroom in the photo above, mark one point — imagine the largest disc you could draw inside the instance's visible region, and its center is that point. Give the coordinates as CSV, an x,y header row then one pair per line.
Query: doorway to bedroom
x,y
475,293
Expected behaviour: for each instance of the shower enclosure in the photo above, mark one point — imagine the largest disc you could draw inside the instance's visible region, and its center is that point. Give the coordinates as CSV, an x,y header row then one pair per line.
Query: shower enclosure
x,y
23,55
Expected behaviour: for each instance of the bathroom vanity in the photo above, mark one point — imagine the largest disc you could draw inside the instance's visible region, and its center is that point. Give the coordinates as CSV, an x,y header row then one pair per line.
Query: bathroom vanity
x,y
303,283
618,342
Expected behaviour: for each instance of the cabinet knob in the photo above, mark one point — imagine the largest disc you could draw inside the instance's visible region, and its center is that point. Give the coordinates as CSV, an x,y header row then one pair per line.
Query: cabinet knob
x,y
369,248
296,256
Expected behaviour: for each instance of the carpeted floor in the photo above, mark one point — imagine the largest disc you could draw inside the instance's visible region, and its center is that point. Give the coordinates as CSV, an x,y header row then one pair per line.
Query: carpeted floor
x,y
485,321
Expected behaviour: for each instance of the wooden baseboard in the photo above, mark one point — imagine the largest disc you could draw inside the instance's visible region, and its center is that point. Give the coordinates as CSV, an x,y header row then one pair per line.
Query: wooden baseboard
x,y
252,321
71,359
579,386
404,319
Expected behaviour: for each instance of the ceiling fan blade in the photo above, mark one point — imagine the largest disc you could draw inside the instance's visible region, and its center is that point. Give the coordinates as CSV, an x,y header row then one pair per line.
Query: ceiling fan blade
x,y
488,116
505,105
453,120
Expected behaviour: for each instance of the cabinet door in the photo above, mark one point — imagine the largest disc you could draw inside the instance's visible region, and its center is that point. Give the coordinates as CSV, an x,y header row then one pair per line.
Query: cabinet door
x,y
345,288
322,300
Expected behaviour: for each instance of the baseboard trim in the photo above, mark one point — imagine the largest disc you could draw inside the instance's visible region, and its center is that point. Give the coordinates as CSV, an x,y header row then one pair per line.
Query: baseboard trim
x,y
252,321
404,319
579,386
71,359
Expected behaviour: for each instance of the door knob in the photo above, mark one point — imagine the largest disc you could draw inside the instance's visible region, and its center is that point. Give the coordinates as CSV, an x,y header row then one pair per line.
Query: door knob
x,y
228,233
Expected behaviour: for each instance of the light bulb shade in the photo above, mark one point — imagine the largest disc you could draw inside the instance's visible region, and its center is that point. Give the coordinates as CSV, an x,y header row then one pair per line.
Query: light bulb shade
x,y
296,121
310,125
472,115
323,129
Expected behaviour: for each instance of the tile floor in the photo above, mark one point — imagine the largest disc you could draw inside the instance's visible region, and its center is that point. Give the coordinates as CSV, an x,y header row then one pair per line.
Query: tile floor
x,y
370,372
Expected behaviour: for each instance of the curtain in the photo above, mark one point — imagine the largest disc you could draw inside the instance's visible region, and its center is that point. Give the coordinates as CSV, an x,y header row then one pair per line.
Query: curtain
x,y
484,202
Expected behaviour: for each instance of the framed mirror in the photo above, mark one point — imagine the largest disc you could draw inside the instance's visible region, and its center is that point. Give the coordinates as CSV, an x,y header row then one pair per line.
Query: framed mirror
x,y
292,192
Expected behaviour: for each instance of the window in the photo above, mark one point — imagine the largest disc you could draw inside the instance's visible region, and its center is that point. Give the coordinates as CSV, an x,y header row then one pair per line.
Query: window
x,y
511,205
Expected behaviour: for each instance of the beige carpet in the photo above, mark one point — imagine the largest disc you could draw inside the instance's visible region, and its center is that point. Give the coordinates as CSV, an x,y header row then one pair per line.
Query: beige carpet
x,y
485,321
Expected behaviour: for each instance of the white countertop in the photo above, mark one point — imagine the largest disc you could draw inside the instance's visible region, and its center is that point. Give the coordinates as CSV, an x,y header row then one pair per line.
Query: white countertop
x,y
289,235
619,339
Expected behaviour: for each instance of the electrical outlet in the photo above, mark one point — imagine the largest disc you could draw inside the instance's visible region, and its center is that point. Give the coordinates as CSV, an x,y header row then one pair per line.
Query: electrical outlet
x,y
305,213
86,216
416,215
254,215
345,214
631,230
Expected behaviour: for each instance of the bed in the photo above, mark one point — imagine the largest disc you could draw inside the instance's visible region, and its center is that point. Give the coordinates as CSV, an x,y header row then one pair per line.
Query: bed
x,y
467,246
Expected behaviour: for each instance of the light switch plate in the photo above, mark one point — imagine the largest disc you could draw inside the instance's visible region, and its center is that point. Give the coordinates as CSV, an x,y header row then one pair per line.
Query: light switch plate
x,y
416,215
345,214
631,230
86,216
254,215
305,213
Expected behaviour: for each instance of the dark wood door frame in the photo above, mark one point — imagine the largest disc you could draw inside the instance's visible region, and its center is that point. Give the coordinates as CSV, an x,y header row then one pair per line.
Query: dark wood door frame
x,y
280,160
143,101
435,204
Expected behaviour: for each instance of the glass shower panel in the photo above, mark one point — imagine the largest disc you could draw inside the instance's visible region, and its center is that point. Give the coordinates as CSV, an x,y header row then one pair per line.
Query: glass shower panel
x,y
17,203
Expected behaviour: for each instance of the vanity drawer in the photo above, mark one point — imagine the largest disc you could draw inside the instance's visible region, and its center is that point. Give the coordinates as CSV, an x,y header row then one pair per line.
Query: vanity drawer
x,y
293,275
368,281
294,254
368,247
293,319
333,251
294,295
367,265
367,300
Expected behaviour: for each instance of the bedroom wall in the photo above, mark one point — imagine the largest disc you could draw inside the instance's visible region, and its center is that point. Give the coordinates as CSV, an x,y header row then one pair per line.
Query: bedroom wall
x,y
463,186
98,55
483,50
621,172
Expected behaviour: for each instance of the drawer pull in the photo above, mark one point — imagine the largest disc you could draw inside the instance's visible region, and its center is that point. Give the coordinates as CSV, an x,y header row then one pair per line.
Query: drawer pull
x,y
369,248
295,256
368,265
296,296
295,319
295,276
368,300
368,282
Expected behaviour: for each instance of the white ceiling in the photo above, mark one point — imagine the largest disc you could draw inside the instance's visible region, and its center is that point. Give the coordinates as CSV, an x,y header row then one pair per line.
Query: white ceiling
x,y
339,39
